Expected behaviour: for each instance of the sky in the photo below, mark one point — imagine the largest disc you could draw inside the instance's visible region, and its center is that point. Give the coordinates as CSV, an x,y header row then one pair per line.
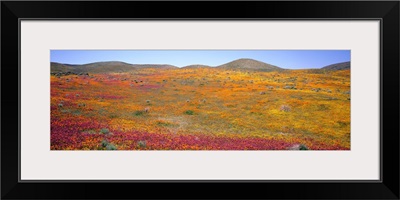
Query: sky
x,y
288,59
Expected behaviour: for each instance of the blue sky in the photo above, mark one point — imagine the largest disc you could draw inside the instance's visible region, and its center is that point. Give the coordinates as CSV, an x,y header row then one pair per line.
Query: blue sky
x,y
289,59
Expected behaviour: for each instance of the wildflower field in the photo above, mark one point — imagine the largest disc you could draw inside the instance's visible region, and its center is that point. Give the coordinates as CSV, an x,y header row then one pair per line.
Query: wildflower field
x,y
201,109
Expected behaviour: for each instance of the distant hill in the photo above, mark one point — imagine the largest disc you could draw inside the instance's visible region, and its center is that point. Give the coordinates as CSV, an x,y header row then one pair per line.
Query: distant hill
x,y
102,67
338,66
162,66
98,67
196,66
249,64
58,67
116,66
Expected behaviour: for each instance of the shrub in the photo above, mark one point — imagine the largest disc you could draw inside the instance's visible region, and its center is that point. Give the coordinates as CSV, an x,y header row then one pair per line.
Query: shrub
x,y
91,131
104,131
189,112
289,87
76,112
111,147
316,89
104,143
164,123
138,113
141,144
81,105
298,147
303,147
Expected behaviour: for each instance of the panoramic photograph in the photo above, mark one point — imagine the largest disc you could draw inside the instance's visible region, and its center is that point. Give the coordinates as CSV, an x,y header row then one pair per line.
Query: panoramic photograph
x,y
200,100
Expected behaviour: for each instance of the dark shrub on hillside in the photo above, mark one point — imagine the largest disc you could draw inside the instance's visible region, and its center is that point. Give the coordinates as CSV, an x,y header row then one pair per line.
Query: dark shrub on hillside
x,y
141,144
189,112
104,131
111,147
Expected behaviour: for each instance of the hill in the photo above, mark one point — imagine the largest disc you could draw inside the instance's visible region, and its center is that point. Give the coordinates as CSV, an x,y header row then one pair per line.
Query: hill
x,y
116,66
196,66
249,64
338,66
162,66
58,67
102,67
98,67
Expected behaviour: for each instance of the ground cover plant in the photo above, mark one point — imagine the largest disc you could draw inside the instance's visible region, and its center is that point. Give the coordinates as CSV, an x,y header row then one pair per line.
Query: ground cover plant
x,y
201,108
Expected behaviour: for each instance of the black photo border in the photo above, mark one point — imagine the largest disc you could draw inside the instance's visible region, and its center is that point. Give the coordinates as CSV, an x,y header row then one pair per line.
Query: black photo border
x,y
13,11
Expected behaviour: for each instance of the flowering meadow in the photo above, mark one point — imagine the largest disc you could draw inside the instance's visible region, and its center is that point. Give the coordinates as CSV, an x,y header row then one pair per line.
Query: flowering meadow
x,y
201,109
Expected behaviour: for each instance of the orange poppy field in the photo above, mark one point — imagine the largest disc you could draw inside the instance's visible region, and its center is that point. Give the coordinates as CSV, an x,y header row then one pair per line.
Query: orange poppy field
x,y
201,109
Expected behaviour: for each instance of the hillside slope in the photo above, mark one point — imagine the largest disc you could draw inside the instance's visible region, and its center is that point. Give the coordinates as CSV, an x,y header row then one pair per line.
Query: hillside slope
x,y
196,66
116,66
338,66
249,64
98,67
103,67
